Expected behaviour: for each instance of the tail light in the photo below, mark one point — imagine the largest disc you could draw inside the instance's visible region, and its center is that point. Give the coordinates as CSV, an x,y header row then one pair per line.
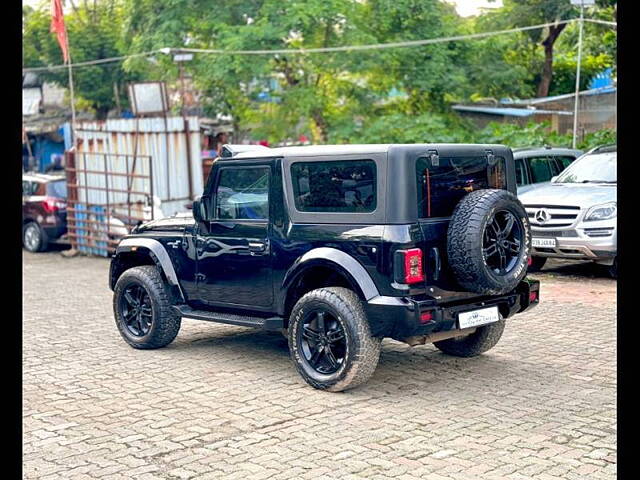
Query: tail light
x,y
408,266
530,261
51,204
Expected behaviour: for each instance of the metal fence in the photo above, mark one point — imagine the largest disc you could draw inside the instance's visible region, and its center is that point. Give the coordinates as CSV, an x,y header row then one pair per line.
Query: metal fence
x,y
108,194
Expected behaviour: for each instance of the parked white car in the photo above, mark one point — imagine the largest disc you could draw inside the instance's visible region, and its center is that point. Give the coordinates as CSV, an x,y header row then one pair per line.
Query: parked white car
x,y
575,216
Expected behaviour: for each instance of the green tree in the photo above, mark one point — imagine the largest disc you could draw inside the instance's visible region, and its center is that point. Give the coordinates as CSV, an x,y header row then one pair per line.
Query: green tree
x,y
94,33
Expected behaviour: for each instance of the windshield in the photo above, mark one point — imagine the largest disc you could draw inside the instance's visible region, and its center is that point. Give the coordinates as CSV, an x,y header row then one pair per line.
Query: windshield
x,y
596,168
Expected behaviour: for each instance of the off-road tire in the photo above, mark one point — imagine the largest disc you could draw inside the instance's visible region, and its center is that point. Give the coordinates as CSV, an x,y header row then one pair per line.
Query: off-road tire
x,y
465,241
363,350
537,263
483,339
165,324
43,241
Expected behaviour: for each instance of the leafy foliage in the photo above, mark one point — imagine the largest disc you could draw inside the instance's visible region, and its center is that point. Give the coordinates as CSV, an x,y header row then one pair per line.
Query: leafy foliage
x,y
389,95
92,35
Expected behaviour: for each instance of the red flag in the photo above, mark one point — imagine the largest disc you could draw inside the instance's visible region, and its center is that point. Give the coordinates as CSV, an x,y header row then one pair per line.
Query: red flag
x,y
57,26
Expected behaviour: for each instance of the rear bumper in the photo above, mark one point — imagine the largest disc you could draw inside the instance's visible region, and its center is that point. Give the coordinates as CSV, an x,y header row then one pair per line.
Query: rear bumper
x,y
399,317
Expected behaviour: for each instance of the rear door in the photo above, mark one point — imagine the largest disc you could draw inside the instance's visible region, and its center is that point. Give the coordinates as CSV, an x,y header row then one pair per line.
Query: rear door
x,y
442,181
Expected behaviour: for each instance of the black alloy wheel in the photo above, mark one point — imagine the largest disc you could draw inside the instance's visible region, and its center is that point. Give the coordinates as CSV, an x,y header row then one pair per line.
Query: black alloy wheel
x,y
135,308
502,242
322,341
142,308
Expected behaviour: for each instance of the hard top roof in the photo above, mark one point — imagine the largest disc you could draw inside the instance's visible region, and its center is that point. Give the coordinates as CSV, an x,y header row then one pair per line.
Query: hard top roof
x,y
318,150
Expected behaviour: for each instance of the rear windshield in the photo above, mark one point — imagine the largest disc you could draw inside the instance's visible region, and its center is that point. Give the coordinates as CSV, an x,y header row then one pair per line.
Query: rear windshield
x,y
442,182
342,186
57,189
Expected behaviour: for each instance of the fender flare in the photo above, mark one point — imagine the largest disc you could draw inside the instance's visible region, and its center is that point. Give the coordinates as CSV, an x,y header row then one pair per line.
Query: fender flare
x,y
158,254
327,256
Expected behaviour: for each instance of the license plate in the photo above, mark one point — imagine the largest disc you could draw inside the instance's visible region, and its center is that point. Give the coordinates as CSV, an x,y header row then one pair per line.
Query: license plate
x,y
543,242
478,317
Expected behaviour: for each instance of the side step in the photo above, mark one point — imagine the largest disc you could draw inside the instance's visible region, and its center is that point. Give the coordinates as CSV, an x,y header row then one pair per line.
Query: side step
x,y
271,323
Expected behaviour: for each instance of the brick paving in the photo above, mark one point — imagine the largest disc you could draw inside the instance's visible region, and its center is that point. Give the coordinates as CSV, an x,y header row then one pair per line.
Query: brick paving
x,y
225,402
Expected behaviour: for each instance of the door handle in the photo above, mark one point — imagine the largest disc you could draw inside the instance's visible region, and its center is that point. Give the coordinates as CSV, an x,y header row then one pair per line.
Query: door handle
x,y
257,246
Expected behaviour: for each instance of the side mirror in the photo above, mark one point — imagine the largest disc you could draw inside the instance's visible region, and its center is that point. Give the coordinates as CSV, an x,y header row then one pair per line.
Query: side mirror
x,y
199,209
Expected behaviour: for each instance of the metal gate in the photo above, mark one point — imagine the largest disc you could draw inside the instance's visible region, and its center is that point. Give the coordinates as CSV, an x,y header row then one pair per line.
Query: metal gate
x,y
108,194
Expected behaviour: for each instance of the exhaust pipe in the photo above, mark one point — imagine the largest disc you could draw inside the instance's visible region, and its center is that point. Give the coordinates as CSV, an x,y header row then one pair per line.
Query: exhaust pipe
x,y
436,337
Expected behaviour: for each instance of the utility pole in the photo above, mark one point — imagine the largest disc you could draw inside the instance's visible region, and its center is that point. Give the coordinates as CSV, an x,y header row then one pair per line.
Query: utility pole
x,y
180,58
576,104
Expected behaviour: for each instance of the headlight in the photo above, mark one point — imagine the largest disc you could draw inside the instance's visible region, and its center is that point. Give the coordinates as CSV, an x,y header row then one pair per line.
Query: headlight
x,y
602,212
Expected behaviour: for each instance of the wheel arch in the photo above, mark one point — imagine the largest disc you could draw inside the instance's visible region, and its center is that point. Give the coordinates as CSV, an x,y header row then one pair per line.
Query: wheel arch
x,y
134,252
324,267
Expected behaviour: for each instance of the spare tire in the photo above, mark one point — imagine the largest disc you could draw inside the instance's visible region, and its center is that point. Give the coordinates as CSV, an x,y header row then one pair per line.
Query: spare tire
x,y
488,242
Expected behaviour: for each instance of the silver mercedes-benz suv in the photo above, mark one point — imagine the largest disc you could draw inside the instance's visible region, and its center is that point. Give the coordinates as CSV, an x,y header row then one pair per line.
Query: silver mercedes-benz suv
x,y
575,216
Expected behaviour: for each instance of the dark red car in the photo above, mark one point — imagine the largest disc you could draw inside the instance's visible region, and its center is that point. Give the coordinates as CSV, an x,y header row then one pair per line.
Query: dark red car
x,y
44,210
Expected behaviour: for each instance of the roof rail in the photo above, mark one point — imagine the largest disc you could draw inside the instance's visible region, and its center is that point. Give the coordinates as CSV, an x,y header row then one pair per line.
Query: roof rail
x,y
230,151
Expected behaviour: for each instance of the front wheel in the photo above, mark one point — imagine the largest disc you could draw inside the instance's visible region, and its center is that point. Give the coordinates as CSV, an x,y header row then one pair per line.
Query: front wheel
x,y
142,309
480,341
330,340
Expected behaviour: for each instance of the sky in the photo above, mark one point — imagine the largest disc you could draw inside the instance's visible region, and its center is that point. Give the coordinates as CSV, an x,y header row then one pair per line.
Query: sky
x,y
464,8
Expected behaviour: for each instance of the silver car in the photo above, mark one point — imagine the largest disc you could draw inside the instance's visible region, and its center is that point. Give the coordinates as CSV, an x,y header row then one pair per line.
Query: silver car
x,y
575,216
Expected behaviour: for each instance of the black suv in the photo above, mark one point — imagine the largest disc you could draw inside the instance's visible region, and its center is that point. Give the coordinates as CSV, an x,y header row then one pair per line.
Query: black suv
x,y
337,246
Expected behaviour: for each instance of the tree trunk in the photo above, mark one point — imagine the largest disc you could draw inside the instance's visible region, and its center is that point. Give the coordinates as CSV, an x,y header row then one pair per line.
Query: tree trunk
x,y
547,69
321,123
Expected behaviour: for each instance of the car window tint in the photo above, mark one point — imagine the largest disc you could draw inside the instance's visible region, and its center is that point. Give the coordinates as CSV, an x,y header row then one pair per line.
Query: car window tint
x,y
341,186
565,161
521,173
243,193
540,169
443,181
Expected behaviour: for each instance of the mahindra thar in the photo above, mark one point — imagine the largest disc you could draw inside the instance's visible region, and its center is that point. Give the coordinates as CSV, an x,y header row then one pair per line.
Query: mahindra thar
x,y
338,247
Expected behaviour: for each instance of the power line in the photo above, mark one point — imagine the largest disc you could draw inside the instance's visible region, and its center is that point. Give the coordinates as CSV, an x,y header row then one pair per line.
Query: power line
x,y
601,22
92,62
288,51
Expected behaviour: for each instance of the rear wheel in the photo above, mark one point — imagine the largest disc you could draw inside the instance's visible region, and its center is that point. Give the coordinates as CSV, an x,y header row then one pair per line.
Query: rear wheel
x,y
330,341
480,341
34,238
142,309
537,263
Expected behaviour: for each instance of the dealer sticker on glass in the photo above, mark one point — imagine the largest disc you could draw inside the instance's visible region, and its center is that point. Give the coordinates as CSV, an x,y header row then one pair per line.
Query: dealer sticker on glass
x,y
478,317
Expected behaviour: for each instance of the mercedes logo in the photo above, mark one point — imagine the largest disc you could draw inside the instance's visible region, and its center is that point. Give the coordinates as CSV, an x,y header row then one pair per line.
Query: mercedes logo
x,y
542,216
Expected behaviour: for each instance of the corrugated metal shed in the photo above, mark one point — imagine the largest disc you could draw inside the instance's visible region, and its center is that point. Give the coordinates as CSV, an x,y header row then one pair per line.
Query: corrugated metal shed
x,y
175,156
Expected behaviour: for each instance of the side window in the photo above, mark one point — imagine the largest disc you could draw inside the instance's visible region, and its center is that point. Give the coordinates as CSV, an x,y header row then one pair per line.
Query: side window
x,y
242,194
521,173
540,169
26,188
347,186
565,161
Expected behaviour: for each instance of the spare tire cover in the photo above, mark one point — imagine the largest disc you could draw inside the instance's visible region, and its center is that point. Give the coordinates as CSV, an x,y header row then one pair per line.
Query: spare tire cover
x,y
489,241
